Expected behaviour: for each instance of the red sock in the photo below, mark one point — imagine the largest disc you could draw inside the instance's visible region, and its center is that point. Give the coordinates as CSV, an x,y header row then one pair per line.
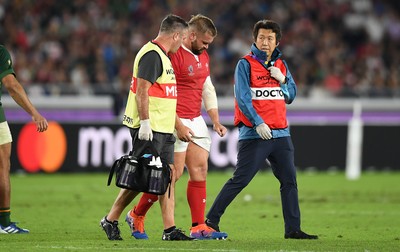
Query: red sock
x,y
145,202
196,196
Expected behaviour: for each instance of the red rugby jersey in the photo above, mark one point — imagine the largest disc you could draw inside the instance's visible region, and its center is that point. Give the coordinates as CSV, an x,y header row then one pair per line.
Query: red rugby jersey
x,y
191,72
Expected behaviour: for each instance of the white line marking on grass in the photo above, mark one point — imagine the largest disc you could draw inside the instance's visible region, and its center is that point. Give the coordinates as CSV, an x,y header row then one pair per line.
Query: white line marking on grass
x,y
363,212
135,248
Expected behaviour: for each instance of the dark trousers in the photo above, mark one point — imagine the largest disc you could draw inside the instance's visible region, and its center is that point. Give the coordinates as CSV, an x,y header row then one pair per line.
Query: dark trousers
x,y
251,156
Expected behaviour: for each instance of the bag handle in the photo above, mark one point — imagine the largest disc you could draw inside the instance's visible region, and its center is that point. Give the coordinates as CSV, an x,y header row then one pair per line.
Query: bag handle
x,y
139,151
153,148
111,174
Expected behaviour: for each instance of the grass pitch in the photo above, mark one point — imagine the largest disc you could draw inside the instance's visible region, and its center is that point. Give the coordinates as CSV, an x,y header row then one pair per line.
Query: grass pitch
x,y
63,212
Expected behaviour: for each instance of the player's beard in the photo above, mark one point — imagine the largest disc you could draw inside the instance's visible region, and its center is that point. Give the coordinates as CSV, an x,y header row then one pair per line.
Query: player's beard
x,y
196,51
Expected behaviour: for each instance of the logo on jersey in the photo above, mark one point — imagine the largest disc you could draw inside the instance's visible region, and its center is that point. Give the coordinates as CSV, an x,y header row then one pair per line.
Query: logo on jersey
x,y
169,71
190,69
269,93
171,91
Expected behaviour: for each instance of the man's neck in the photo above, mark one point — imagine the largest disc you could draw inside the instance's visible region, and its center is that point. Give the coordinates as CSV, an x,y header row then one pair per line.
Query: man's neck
x,y
187,44
163,43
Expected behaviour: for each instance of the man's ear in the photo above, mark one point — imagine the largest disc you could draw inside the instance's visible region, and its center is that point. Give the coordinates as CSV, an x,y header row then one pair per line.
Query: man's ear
x,y
277,43
175,36
192,36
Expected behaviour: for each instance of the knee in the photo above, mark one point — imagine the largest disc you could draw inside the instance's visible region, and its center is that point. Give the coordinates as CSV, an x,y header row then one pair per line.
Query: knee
x,y
288,184
178,175
198,173
241,181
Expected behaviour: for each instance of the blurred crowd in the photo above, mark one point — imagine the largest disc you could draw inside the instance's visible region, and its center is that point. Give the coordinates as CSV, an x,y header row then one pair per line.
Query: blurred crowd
x,y
334,48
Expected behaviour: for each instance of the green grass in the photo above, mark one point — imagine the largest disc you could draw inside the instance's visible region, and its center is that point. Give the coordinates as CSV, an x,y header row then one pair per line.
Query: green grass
x,y
63,211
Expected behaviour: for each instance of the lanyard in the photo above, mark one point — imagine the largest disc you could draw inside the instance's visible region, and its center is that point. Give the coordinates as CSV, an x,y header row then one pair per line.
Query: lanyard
x,y
265,63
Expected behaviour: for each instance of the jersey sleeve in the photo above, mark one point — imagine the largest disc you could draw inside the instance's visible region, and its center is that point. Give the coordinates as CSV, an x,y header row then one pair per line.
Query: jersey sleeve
x,y
290,88
5,63
150,66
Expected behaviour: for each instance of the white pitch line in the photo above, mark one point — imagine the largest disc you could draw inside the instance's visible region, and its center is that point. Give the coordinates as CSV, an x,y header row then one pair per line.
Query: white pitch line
x,y
136,248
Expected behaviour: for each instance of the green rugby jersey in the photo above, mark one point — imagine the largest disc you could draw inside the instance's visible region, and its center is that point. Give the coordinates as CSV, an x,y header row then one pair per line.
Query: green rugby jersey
x,y
5,69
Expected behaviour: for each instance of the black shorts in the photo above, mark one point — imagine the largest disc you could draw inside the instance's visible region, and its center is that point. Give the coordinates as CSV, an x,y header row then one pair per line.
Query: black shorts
x,y
163,143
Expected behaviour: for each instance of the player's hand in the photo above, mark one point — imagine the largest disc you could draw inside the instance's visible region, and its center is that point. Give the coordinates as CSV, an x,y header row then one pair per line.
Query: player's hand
x,y
184,133
277,74
41,123
264,131
220,129
145,132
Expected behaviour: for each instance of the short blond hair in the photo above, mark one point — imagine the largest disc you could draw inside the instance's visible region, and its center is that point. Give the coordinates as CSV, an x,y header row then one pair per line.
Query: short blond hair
x,y
203,24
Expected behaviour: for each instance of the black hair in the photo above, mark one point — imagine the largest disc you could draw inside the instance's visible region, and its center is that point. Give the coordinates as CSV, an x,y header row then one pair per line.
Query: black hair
x,y
171,23
269,25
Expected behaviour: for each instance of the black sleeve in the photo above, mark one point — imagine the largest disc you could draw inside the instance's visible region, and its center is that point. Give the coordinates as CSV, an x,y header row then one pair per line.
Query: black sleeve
x,y
150,66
